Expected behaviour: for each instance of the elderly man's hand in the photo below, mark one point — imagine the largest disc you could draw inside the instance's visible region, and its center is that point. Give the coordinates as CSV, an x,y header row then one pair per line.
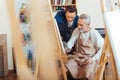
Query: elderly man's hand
x,y
67,50
89,61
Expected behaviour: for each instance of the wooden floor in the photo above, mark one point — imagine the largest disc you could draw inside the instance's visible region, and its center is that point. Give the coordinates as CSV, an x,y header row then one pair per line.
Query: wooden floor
x,y
107,74
11,76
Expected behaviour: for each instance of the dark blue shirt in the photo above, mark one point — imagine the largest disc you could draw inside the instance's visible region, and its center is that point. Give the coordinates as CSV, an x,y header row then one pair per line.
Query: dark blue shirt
x,y
65,31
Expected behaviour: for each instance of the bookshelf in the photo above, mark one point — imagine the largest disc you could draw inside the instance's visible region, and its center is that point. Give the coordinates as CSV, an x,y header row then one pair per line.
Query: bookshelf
x,y
61,4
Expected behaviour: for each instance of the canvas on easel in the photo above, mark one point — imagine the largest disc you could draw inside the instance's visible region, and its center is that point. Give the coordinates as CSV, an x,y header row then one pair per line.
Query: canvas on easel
x,y
112,26
111,47
46,40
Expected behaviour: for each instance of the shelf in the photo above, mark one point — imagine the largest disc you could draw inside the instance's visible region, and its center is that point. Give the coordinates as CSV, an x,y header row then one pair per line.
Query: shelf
x,y
61,4
65,5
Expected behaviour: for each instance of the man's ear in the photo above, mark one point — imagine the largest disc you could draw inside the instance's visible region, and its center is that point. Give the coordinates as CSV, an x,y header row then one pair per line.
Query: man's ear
x,y
88,25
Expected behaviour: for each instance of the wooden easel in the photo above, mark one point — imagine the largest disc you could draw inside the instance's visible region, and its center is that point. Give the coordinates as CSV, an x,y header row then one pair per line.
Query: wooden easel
x,y
47,11
108,49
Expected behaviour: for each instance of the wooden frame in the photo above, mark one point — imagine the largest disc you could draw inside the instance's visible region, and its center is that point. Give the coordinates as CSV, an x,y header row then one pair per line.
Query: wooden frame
x,y
3,55
109,45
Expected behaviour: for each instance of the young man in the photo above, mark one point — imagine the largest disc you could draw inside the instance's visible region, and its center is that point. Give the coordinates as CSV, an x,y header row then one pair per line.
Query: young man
x,y
67,22
89,44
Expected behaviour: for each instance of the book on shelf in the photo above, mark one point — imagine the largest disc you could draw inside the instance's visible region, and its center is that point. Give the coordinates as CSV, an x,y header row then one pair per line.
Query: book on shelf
x,y
58,2
63,2
55,2
69,2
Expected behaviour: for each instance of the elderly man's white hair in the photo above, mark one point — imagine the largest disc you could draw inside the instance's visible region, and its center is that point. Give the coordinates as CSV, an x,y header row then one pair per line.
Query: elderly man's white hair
x,y
85,16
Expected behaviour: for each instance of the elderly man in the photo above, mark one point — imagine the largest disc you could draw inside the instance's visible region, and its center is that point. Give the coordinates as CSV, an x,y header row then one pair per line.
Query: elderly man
x,y
88,47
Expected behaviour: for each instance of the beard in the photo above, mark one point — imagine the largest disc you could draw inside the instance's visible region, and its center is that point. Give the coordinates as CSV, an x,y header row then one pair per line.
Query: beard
x,y
82,30
82,36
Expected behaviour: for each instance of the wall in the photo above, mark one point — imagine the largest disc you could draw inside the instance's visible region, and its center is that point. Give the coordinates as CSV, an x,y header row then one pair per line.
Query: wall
x,y
93,9
5,29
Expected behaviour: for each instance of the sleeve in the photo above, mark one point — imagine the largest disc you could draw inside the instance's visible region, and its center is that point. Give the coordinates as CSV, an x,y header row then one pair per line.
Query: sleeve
x,y
73,38
61,23
57,16
99,42
60,16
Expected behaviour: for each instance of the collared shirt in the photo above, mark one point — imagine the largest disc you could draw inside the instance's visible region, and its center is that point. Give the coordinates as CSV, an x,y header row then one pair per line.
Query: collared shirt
x,y
70,24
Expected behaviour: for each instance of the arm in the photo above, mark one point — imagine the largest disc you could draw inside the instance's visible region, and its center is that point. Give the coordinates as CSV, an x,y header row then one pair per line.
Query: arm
x,y
62,24
99,42
60,16
73,38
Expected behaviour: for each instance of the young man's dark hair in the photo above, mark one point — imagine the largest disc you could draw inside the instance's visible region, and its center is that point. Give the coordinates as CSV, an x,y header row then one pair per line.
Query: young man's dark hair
x,y
71,9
